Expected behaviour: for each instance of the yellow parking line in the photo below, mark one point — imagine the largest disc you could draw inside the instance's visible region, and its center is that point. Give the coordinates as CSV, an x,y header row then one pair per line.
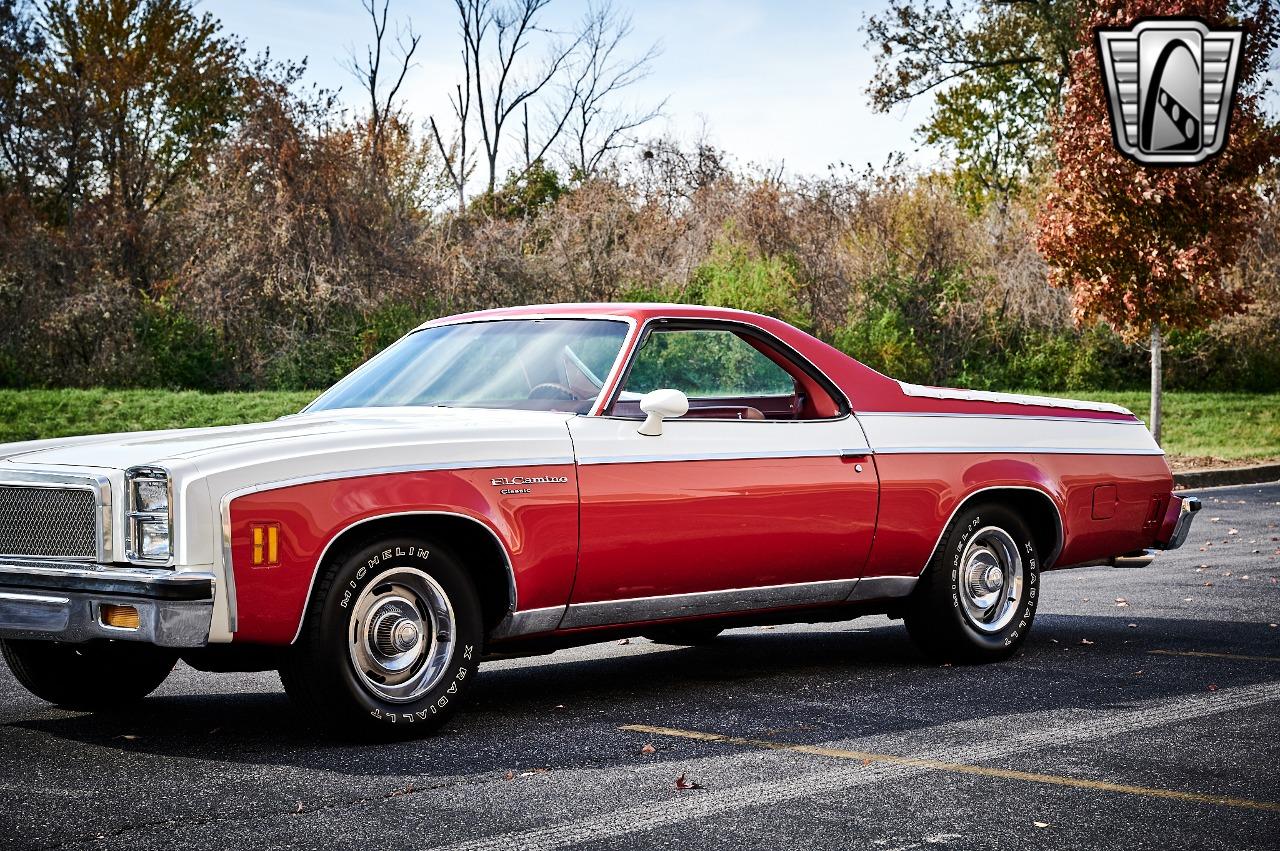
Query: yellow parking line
x,y
1215,655
959,768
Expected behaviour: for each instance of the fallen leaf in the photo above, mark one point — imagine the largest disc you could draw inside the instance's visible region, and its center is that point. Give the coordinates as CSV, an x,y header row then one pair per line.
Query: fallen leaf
x,y
510,775
1121,600
1213,687
682,783
648,749
1215,519
1085,641
1233,531
1208,585
1040,823
1273,625
1133,626
299,809
1121,605
625,641
1186,599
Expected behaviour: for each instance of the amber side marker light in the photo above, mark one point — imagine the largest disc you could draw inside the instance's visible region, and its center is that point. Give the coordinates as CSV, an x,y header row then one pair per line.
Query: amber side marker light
x,y
120,617
266,544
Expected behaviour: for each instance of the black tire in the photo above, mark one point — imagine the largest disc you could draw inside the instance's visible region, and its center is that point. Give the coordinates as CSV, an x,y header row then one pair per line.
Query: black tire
x,y
688,635
938,615
98,676
320,673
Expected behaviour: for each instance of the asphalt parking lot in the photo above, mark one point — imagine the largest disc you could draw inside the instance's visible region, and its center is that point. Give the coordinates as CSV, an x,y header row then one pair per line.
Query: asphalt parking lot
x,y
1143,712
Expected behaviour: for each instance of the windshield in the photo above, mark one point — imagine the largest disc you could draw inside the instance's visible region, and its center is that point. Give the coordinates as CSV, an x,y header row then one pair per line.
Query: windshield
x,y
530,364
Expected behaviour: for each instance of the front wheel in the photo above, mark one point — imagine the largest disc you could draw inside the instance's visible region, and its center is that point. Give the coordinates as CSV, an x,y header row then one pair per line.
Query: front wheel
x,y
977,598
390,644
97,676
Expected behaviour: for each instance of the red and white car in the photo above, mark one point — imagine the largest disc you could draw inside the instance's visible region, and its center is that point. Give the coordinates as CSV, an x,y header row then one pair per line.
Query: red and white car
x,y
523,479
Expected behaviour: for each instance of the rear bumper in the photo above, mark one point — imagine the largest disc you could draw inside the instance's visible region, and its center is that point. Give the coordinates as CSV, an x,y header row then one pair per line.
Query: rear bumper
x,y
63,601
1177,522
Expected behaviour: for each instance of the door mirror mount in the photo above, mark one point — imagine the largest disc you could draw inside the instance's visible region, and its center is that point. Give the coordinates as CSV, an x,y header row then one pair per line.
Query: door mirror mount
x,y
659,405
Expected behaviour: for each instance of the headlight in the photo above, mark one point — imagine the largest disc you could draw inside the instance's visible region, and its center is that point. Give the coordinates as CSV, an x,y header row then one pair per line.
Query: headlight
x,y
150,495
149,518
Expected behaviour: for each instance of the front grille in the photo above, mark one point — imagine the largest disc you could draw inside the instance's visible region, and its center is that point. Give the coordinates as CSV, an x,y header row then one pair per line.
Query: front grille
x,y
48,522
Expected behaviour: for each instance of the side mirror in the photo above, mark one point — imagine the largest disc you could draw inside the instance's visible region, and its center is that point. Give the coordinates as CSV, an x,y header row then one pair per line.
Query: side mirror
x,y
659,405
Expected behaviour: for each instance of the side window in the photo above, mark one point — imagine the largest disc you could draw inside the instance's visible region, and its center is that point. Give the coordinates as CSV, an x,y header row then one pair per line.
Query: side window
x,y
726,377
706,364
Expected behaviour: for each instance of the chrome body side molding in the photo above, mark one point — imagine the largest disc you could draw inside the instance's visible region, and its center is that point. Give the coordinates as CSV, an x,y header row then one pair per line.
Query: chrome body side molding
x,y
528,622
880,587
640,609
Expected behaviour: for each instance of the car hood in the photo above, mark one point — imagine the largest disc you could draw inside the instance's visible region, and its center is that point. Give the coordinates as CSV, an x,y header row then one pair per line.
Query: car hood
x,y
324,432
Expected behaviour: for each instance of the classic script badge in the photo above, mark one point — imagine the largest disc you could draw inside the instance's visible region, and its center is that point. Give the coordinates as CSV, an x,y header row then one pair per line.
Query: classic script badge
x,y
521,484
1170,84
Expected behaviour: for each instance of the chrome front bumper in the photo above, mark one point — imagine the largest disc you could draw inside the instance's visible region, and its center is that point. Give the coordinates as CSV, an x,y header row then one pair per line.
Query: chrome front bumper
x,y
63,601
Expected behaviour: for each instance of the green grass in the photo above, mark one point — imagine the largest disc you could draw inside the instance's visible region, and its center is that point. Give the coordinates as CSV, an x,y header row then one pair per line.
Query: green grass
x,y
33,414
1234,426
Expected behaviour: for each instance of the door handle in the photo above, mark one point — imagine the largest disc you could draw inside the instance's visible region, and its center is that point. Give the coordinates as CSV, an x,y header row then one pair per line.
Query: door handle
x,y
854,454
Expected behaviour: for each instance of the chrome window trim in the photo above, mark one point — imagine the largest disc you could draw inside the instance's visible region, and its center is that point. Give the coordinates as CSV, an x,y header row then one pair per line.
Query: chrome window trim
x,y
717,456
1030,417
1046,562
838,392
98,485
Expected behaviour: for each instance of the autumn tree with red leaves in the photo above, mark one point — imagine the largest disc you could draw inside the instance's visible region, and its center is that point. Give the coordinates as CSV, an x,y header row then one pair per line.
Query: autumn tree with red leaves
x,y
1147,249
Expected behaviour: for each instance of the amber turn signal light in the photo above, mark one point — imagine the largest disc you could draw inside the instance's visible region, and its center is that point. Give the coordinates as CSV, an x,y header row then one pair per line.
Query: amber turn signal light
x,y
266,544
120,617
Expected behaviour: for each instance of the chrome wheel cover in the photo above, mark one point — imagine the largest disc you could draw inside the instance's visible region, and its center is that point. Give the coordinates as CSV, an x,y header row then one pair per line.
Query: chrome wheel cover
x,y
401,635
990,579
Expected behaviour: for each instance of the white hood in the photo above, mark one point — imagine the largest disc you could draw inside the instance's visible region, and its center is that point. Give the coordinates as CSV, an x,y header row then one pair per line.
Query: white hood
x,y
412,430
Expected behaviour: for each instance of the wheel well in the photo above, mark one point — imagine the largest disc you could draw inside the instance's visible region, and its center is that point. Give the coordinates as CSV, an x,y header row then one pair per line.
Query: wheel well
x,y
1036,508
470,541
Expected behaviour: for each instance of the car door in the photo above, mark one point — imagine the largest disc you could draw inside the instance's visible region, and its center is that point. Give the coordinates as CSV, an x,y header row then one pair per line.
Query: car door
x,y
762,496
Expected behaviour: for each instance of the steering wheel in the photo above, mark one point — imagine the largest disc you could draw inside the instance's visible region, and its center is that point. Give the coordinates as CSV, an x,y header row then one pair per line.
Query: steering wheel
x,y
552,390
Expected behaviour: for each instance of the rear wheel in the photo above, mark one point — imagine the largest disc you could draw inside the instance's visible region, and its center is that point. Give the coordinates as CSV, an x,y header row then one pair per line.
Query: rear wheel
x,y
977,598
390,644
96,676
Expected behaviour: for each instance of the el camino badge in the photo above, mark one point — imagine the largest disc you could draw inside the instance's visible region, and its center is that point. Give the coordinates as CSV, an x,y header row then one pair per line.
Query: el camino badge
x,y
520,484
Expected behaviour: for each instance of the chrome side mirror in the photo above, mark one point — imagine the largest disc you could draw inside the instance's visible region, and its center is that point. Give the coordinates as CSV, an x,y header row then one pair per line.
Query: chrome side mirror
x,y
659,405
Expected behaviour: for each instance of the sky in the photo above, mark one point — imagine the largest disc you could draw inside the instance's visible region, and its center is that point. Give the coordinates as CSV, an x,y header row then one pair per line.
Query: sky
x,y
774,83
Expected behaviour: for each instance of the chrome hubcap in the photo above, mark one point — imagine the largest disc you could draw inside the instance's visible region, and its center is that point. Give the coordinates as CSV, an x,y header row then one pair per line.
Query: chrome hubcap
x,y
991,578
401,635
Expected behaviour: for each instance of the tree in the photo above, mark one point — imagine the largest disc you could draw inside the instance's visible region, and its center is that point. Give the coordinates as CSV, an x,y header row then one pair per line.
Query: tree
x,y
1147,249
136,96
996,69
570,91
597,128
384,110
